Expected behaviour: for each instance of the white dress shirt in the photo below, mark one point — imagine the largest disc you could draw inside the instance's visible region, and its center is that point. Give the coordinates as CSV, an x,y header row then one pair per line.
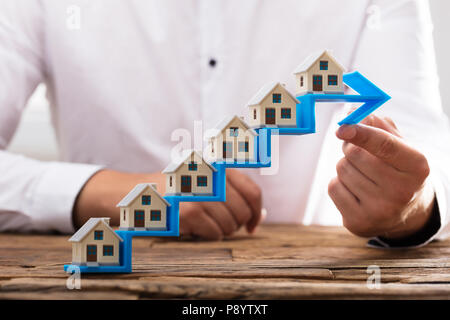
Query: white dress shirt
x,y
123,75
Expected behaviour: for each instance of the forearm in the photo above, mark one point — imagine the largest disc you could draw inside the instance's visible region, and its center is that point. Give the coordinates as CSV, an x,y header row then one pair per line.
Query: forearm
x,y
102,192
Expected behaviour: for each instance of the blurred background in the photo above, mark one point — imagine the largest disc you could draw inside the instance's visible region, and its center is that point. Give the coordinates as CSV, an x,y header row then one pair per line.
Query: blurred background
x,y
35,136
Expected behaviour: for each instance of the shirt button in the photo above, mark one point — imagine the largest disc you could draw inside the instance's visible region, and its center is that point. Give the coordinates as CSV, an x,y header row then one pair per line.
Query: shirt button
x,y
212,62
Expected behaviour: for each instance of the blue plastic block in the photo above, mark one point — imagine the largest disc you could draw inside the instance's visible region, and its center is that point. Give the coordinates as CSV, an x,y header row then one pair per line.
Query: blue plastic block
x,y
371,97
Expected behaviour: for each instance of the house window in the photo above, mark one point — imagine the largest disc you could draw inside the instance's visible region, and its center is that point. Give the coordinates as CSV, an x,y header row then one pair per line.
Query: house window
x,y
170,181
202,181
234,132
285,113
108,251
98,235
301,81
146,200
227,149
243,146
91,250
155,215
192,166
323,65
276,98
124,215
332,80
254,114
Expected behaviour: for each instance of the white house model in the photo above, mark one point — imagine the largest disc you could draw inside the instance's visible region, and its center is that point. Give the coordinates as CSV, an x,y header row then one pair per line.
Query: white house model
x,y
319,73
233,140
143,208
95,243
273,105
190,174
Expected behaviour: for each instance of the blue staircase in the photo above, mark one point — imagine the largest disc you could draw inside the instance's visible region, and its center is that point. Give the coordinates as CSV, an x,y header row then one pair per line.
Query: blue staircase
x,y
369,94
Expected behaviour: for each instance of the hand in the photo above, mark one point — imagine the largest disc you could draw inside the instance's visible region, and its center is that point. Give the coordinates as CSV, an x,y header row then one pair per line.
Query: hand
x,y
381,188
103,191
214,220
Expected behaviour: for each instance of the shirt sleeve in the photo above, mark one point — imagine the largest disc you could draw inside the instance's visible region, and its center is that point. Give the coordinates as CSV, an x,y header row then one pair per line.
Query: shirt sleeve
x,y
396,52
34,195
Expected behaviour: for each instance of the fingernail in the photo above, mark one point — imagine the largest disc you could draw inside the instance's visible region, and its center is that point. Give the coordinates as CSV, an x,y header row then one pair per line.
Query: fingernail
x,y
263,214
346,132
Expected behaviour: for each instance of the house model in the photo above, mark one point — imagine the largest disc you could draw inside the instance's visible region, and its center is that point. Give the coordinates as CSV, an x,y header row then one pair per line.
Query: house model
x,y
95,243
143,208
190,175
272,105
319,73
233,140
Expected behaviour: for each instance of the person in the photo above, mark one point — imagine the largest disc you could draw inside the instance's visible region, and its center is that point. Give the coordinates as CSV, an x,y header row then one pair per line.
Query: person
x,y
121,76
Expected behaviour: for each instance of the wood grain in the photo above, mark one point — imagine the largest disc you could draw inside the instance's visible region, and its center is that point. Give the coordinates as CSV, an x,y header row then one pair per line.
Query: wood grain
x,y
278,262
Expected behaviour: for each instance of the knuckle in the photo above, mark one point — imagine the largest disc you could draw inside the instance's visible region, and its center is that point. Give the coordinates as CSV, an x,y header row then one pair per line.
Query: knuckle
x,y
342,167
423,169
386,148
333,185
354,153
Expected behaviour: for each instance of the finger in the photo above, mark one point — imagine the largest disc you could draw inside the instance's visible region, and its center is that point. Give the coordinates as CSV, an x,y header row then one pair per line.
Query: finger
x,y
195,222
206,227
393,184
222,216
237,205
344,200
369,165
252,195
385,124
383,145
358,184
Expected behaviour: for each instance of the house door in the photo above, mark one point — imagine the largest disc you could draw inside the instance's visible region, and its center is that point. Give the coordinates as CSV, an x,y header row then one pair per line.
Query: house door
x,y
91,253
270,116
139,219
317,83
227,150
186,184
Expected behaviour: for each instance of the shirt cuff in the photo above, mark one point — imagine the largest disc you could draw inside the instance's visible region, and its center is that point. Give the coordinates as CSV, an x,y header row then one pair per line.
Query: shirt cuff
x,y
421,238
49,203
433,227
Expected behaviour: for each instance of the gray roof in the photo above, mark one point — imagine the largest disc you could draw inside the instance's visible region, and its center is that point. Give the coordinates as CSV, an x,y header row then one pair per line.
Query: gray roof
x,y
264,91
88,226
136,192
226,121
312,58
173,166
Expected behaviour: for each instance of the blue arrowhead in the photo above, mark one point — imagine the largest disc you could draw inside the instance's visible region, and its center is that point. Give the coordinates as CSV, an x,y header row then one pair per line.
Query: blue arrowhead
x,y
373,97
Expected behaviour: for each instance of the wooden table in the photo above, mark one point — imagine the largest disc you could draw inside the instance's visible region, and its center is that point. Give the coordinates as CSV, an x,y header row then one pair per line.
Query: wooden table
x,y
278,262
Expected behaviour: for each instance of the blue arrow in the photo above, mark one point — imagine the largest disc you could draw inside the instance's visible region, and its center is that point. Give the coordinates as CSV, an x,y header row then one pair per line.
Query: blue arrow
x,y
368,93
373,97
